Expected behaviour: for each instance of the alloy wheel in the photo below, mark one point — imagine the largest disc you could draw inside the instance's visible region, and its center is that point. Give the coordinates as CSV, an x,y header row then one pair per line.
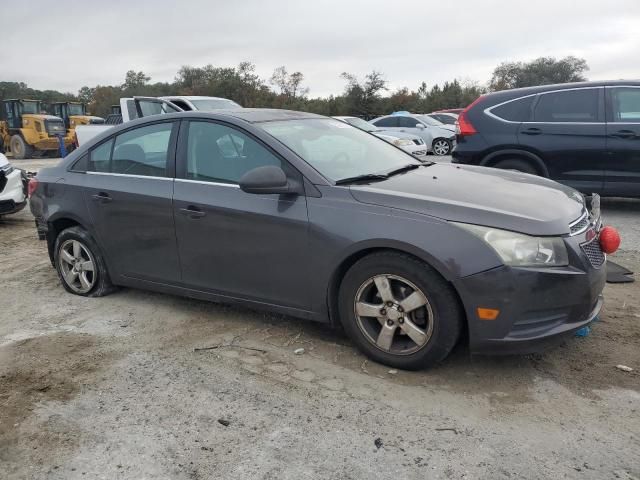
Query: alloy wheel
x,y
441,147
77,266
393,314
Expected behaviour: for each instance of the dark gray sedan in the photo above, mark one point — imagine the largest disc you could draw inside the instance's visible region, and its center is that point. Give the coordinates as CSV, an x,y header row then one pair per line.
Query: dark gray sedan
x,y
308,216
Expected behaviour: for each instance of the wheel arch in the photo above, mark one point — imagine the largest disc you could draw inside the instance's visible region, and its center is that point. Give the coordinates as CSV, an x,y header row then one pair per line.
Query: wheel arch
x,y
494,157
364,249
57,224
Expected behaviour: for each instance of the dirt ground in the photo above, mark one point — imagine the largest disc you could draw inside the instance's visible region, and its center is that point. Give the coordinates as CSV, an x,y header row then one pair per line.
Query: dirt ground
x,y
115,388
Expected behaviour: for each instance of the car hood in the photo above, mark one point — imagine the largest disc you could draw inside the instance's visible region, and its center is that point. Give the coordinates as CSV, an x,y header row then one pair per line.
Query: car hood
x,y
479,195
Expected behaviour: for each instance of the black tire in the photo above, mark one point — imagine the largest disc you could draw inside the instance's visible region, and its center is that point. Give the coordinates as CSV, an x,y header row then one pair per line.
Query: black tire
x,y
518,165
443,146
19,148
446,312
100,283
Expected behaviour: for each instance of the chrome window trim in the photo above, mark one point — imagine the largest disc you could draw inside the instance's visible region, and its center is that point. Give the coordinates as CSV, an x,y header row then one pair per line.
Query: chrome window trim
x,y
129,175
489,113
203,182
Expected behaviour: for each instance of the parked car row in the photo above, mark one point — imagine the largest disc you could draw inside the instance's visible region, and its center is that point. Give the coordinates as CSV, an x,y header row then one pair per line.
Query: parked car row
x,y
440,137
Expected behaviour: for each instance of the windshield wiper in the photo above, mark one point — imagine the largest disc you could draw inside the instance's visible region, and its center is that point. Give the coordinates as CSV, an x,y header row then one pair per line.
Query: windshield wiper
x,y
362,178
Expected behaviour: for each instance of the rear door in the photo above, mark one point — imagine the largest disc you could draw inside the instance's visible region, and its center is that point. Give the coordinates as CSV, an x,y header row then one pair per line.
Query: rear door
x,y
622,172
129,191
230,242
567,131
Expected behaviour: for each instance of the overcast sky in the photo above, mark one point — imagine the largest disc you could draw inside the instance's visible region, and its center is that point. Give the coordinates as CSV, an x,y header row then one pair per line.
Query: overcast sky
x,y
64,45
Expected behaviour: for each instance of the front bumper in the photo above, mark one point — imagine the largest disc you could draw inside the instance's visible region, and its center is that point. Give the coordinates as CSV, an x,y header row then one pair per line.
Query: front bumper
x,y
538,307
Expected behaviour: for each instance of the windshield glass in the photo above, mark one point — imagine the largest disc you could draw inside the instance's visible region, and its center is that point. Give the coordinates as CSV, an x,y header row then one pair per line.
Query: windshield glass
x,y
336,150
209,104
430,121
75,109
30,107
361,124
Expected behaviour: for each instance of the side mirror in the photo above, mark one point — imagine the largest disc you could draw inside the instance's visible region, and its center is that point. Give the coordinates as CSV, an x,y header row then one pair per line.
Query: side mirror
x,y
419,126
268,179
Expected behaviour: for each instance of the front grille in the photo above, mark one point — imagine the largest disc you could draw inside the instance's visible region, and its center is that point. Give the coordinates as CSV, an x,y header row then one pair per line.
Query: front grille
x,y
55,127
420,152
594,253
418,141
579,225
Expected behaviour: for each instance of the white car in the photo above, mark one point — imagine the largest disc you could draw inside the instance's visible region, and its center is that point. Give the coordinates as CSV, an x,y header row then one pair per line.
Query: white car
x,y
440,138
138,107
13,188
411,144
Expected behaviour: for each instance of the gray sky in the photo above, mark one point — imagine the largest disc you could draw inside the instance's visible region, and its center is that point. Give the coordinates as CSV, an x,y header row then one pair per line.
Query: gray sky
x,y
64,45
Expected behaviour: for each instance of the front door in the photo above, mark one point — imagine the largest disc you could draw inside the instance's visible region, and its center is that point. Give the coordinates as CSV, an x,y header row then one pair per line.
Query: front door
x,y
128,192
622,171
231,242
568,132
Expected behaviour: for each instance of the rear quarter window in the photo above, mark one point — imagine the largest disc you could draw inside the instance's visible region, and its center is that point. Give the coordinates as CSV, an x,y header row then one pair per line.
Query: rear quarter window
x,y
515,110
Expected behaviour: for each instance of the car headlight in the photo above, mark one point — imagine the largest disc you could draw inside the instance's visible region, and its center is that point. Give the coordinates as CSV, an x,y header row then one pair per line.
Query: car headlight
x,y
519,250
402,142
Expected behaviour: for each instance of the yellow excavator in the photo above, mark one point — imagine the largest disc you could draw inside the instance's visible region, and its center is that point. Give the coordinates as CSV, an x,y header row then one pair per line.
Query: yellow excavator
x,y
73,114
26,132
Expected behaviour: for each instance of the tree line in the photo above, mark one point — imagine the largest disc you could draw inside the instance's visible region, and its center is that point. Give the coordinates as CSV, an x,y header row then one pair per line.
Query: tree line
x,y
366,97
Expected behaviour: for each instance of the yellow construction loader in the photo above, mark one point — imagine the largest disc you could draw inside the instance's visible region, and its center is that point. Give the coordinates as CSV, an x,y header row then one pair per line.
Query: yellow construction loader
x,y
26,132
74,113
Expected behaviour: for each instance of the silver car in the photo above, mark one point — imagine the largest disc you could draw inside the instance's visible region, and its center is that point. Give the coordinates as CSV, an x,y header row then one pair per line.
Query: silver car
x,y
440,138
412,144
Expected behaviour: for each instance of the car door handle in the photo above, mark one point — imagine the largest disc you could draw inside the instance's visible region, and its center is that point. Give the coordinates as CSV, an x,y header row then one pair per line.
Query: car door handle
x,y
624,134
532,131
192,212
102,197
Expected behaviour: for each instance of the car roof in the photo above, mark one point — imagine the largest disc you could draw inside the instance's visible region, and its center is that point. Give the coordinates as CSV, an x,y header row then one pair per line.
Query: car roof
x,y
194,97
521,92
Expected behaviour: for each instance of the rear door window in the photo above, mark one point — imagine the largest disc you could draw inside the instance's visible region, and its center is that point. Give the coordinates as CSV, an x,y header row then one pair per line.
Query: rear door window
x,y
407,122
100,157
625,104
568,106
386,122
142,151
514,111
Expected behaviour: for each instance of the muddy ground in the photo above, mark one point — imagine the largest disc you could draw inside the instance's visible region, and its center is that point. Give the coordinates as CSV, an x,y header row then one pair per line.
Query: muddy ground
x,y
112,388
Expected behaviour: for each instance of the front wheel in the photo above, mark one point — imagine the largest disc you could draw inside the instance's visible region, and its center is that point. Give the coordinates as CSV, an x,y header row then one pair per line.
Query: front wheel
x,y
399,311
19,148
80,265
441,146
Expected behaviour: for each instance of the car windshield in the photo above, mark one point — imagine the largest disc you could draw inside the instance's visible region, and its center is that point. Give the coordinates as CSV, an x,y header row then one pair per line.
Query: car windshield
x,y
430,121
210,104
336,150
361,124
30,107
75,109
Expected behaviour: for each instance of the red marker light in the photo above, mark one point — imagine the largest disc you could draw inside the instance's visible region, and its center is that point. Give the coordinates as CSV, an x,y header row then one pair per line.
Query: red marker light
x,y
609,239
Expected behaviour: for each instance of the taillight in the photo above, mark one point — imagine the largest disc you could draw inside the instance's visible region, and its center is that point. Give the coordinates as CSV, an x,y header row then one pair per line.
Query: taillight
x,y
33,184
463,126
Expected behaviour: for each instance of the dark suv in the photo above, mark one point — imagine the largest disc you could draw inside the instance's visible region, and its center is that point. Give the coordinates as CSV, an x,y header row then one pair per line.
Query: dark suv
x,y
585,135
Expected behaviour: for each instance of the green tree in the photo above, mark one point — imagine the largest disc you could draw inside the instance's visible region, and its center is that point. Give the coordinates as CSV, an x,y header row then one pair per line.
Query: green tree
x,y
541,71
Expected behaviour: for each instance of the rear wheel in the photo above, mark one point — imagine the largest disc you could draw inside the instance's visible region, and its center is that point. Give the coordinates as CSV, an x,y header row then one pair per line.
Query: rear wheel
x,y
399,311
80,265
518,165
441,146
19,148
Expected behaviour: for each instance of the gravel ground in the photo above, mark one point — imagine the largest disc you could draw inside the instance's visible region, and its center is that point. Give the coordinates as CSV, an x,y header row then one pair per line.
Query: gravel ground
x,y
112,388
